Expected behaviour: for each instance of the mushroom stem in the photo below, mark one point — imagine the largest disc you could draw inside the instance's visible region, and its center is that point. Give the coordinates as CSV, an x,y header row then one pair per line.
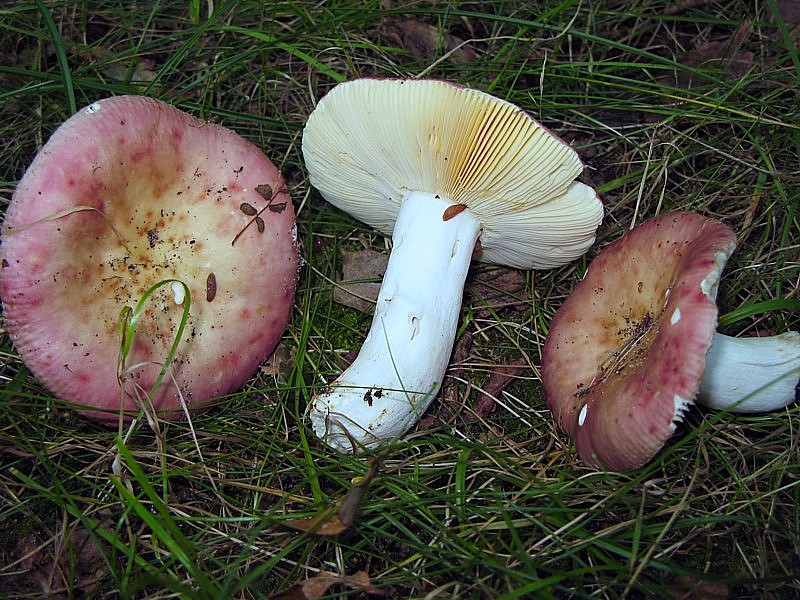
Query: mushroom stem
x,y
750,375
400,367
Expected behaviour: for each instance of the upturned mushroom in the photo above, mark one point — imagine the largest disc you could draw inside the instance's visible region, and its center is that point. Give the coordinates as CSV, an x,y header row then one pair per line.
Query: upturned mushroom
x,y
635,344
133,202
448,172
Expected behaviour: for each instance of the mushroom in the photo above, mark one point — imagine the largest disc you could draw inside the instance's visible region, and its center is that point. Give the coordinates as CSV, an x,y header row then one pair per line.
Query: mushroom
x,y
133,217
628,351
439,168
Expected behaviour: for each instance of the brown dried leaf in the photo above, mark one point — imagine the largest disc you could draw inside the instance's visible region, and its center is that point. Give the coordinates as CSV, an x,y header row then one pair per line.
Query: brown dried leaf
x,y
334,521
689,588
499,379
727,55
351,503
316,587
73,561
493,288
357,288
789,11
425,42
90,565
325,523
280,364
452,401
453,210
503,375
248,209
293,593
265,191
142,71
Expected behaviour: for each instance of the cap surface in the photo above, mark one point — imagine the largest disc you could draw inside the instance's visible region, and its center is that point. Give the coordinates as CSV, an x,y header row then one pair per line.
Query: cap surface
x,y
127,193
626,352
371,142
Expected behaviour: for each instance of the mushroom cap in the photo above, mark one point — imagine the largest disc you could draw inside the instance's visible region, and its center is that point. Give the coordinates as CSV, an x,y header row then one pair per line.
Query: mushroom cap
x,y
626,351
369,143
127,193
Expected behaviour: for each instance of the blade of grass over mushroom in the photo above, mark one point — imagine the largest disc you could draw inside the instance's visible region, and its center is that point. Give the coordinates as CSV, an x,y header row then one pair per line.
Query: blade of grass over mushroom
x,y
126,330
65,213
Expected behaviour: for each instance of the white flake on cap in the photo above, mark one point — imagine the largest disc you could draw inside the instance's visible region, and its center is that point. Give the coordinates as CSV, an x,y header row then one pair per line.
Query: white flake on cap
x,y
178,293
710,284
582,415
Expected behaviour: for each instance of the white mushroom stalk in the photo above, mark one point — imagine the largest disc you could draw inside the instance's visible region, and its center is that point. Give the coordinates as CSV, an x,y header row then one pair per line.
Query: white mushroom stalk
x,y
751,375
400,367
436,166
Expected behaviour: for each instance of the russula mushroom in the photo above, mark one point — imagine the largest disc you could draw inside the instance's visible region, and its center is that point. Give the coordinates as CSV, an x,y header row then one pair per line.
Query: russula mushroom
x,y
438,167
628,351
128,195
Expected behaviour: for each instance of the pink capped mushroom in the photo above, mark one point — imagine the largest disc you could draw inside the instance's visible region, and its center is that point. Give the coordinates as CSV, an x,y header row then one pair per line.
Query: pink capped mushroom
x,y
635,344
133,201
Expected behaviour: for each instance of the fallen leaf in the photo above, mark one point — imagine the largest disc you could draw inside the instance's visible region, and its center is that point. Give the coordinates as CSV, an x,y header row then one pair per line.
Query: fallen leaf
x,y
358,287
451,211
326,523
265,191
452,402
689,588
423,41
494,288
789,11
728,55
499,379
351,503
279,364
316,587
333,521
70,561
248,209
141,71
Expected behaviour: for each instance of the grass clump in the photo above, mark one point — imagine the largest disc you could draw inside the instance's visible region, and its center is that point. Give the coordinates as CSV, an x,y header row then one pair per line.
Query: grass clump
x,y
686,106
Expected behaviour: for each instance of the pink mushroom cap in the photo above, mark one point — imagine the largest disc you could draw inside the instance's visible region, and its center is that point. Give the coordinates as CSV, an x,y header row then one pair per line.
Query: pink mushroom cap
x,y
626,351
127,193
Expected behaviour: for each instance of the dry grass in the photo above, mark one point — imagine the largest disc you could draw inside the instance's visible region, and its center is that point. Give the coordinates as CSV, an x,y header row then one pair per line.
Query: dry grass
x,y
673,106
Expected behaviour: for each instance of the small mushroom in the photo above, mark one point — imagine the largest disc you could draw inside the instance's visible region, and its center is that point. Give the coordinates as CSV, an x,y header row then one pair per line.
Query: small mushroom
x,y
630,348
134,200
440,168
